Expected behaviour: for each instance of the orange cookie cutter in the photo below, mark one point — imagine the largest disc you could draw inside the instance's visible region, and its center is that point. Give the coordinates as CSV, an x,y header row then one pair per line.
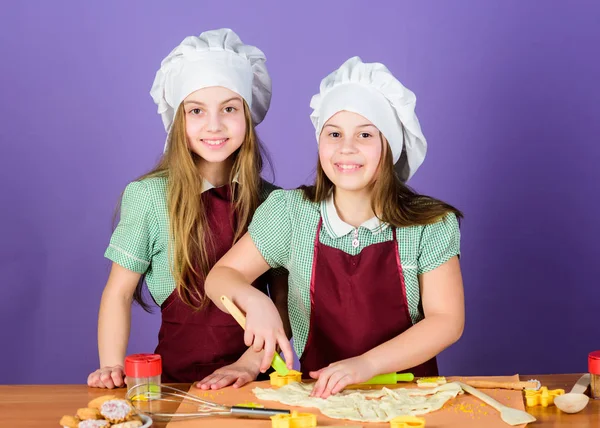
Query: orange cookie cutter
x,y
407,422
544,397
279,380
295,420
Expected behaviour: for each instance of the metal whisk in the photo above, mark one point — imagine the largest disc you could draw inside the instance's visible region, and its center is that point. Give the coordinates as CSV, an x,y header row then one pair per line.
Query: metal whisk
x,y
163,402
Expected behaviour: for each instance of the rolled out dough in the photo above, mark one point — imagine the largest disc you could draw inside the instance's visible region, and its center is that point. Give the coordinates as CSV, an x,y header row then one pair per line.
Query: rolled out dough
x,y
364,405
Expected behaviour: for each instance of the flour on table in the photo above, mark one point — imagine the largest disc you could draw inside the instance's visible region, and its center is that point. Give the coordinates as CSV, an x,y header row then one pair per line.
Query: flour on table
x,y
364,405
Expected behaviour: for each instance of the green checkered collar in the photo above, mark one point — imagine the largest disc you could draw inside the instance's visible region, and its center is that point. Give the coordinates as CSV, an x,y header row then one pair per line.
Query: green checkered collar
x,y
337,228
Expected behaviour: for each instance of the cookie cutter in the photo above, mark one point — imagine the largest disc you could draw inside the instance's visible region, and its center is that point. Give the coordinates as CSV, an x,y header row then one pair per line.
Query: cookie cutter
x,y
295,420
407,422
544,397
291,377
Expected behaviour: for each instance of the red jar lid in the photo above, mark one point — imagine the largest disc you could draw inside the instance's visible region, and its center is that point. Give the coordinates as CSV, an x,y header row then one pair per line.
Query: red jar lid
x,y
594,362
143,365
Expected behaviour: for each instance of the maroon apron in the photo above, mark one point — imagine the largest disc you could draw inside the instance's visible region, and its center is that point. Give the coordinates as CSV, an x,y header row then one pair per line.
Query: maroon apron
x,y
193,344
357,303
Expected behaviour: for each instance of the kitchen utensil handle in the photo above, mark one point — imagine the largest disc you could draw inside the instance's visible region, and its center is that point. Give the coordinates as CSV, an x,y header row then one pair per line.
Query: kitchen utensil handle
x,y
582,384
389,379
234,311
483,397
277,363
489,384
257,412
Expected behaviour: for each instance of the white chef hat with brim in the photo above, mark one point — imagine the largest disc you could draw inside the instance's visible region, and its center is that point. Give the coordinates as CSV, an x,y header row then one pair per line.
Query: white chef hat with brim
x,y
215,58
370,90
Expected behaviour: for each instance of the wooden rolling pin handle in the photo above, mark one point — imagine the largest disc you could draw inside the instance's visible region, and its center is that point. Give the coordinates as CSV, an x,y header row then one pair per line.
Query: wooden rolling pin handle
x,y
488,384
234,311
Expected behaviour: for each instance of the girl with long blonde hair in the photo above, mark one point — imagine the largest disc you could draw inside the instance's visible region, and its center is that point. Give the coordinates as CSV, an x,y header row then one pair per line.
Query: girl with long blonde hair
x,y
177,220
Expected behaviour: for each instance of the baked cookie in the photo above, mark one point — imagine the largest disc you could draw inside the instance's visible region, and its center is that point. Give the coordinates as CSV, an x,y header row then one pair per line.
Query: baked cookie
x,y
88,413
116,411
69,421
96,403
94,423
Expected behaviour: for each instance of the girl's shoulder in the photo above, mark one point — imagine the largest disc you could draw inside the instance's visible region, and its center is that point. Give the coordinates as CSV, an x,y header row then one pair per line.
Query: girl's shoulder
x,y
156,184
448,221
444,230
147,192
292,201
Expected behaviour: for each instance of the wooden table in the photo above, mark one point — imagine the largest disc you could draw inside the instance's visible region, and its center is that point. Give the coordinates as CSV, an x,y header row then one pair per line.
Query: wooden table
x,y
29,406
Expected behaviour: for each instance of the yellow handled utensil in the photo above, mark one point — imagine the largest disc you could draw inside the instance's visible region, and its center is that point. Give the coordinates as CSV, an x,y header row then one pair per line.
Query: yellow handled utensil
x,y
278,364
390,379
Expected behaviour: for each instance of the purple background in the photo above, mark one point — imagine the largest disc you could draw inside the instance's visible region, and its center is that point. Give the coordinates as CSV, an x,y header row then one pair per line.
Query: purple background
x,y
508,98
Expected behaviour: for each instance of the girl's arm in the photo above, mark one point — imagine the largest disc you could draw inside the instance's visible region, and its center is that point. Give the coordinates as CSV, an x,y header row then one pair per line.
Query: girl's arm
x,y
114,323
443,305
232,276
247,367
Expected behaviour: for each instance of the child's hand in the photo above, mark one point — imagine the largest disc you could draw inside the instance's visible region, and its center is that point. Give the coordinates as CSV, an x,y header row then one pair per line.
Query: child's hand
x,y
264,330
107,377
335,377
239,373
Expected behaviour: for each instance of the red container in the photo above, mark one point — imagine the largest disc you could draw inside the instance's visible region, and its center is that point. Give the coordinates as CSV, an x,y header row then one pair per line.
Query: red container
x,y
143,365
594,369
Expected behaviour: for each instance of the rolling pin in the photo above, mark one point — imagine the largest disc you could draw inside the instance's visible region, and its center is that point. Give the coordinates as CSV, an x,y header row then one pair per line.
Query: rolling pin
x,y
490,384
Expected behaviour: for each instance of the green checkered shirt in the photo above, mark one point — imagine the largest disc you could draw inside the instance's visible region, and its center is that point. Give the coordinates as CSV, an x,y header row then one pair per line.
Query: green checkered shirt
x,y
141,239
284,229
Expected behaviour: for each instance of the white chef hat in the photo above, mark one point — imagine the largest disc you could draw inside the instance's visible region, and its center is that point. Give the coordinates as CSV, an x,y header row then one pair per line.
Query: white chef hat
x,y
369,89
215,58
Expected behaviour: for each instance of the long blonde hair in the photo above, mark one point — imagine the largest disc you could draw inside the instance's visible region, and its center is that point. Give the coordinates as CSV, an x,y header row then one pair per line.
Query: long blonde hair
x,y
392,200
189,234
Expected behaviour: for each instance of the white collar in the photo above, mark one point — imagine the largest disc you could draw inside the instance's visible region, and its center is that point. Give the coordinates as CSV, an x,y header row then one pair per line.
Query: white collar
x,y
336,227
207,185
